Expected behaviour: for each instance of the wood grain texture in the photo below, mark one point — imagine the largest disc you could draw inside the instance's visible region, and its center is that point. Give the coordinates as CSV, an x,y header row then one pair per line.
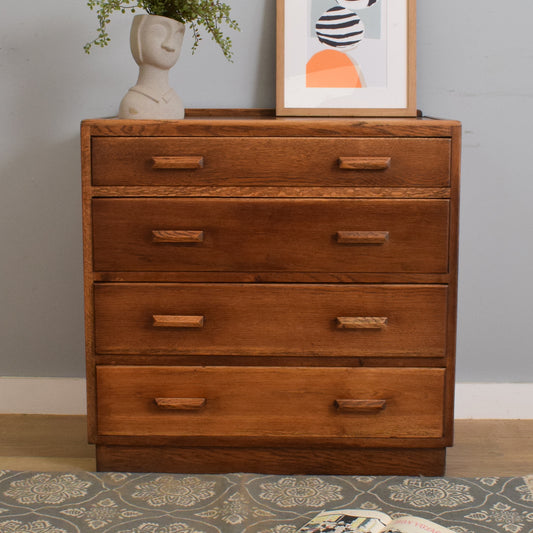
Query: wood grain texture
x,y
178,236
284,320
271,441
235,123
271,360
270,290
270,192
364,163
178,321
181,404
271,277
241,161
361,322
253,113
281,461
258,401
453,267
183,162
88,276
273,235
360,406
362,237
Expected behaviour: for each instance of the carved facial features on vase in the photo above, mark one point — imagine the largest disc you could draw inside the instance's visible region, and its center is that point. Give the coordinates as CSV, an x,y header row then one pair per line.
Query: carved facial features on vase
x,y
156,41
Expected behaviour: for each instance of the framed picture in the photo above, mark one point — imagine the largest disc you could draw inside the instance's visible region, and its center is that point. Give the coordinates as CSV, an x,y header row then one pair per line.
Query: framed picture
x,y
346,58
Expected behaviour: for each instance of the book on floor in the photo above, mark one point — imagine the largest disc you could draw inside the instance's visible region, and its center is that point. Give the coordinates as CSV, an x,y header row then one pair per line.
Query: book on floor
x,y
363,521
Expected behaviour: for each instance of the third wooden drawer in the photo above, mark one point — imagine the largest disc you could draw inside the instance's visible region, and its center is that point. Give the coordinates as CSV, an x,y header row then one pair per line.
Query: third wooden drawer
x,y
271,319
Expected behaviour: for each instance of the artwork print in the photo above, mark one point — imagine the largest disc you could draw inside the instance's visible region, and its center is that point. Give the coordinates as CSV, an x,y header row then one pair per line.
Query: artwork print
x,y
347,47
345,57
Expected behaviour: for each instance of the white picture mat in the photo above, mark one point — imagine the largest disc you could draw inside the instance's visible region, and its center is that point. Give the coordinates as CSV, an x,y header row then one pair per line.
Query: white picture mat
x,y
297,95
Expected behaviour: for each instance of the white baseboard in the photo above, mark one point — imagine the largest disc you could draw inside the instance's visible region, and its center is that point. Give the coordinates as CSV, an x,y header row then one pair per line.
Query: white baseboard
x,y
66,396
47,396
494,400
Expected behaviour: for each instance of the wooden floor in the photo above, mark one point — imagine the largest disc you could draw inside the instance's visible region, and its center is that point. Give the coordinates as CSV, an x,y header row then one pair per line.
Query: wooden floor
x,y
59,443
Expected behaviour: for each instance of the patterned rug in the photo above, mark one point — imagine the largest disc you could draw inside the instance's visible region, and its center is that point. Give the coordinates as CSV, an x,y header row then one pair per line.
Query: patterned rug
x,y
80,502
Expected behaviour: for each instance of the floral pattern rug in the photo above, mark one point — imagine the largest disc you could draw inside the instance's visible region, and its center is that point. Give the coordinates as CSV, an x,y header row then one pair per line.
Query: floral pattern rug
x,y
82,502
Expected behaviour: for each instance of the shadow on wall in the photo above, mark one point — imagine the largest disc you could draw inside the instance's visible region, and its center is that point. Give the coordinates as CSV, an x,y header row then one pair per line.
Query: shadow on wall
x,y
266,70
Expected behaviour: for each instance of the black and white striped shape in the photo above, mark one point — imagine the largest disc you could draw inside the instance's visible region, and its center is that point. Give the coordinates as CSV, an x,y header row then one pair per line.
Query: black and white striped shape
x,y
340,28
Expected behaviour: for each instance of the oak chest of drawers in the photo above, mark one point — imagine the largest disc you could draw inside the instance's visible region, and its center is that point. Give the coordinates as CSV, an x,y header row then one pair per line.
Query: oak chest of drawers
x,y
269,294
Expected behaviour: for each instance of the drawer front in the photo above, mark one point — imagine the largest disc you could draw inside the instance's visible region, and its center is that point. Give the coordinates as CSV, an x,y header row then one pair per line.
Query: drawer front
x,y
253,161
261,235
260,319
275,402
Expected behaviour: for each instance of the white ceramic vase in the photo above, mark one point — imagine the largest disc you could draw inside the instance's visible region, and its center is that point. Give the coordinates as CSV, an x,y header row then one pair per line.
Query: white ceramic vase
x,y
155,45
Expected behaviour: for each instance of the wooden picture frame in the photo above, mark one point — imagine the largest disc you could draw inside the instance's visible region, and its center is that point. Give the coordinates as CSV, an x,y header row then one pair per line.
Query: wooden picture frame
x,y
346,58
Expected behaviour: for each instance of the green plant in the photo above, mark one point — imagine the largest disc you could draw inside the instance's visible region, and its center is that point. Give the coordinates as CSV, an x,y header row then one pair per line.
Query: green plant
x,y
209,14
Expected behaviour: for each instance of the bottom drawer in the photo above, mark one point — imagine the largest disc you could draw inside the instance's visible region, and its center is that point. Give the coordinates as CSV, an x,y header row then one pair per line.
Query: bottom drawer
x,y
270,401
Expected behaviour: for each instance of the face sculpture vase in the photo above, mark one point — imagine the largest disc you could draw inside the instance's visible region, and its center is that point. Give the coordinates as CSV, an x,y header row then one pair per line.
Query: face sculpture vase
x,y
155,44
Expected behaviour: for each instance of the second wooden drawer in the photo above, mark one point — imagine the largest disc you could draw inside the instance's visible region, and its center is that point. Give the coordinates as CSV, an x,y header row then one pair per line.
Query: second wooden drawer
x,y
265,235
256,319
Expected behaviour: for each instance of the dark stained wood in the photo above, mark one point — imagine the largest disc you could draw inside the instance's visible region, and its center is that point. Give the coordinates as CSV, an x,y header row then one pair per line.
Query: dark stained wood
x,y
288,461
266,401
362,237
270,441
177,236
271,277
88,273
178,321
268,360
360,406
240,240
275,319
453,268
234,122
254,113
361,322
270,192
272,235
364,163
180,404
270,161
183,162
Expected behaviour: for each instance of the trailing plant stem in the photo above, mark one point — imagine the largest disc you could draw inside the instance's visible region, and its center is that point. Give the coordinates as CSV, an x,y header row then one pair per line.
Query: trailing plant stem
x,y
208,15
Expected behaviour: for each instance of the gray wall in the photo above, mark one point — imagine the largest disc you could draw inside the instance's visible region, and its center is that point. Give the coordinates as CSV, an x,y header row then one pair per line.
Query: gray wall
x,y
474,64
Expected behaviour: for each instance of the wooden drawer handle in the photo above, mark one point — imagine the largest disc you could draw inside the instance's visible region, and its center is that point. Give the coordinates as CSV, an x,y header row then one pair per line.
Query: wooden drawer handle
x,y
361,322
177,236
360,406
364,163
181,404
182,162
362,237
178,321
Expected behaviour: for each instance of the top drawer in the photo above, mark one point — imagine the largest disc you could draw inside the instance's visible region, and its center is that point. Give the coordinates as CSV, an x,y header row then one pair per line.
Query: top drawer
x,y
271,161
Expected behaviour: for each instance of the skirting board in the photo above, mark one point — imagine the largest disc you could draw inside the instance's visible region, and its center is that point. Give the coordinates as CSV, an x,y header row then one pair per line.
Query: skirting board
x,y
47,396
66,396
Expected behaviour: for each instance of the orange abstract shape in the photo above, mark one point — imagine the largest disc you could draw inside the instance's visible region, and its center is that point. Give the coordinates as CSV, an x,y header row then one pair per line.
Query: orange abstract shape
x,y
332,69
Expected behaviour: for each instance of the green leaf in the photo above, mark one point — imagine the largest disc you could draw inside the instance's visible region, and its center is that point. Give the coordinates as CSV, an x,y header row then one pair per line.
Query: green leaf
x,y
200,15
